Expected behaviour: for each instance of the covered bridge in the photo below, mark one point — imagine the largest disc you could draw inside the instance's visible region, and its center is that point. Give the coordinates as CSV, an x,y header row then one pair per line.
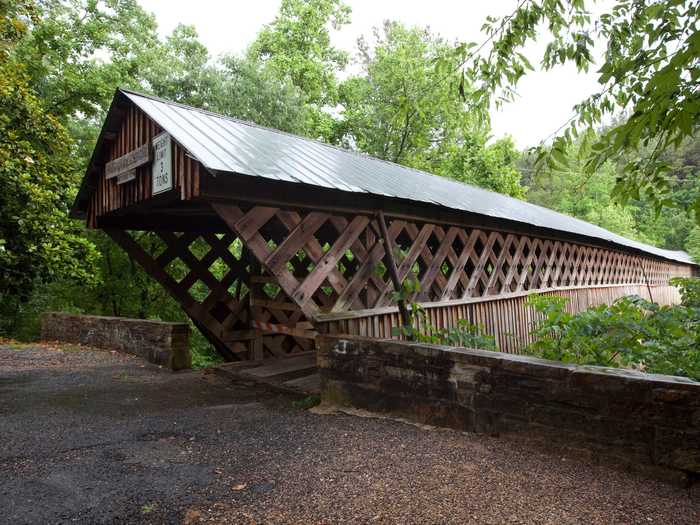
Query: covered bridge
x,y
265,238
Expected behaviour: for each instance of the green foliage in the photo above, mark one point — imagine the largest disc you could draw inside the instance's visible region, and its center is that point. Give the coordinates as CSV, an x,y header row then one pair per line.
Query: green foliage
x,y
399,109
632,332
464,335
76,53
689,288
252,91
573,191
203,354
297,47
307,402
179,69
649,74
692,245
37,179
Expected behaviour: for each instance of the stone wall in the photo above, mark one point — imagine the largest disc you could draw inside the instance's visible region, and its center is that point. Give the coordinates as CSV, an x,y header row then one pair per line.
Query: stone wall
x,y
164,344
651,421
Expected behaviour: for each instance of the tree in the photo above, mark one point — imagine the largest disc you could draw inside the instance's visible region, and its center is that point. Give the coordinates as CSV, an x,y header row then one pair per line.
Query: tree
x,y
252,91
180,69
575,193
398,109
693,244
75,53
296,46
649,75
38,242
587,196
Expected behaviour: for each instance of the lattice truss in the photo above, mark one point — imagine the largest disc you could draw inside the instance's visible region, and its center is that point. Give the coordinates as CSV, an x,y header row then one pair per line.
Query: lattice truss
x,y
253,290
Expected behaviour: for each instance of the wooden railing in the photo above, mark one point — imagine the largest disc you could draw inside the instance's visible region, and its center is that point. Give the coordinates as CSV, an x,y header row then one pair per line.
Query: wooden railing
x,y
506,317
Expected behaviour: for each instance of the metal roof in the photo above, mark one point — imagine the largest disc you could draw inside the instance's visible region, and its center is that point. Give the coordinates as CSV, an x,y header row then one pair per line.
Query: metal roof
x,y
227,145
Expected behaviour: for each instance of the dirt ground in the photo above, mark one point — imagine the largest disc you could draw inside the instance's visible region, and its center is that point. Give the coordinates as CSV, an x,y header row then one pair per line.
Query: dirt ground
x,y
96,437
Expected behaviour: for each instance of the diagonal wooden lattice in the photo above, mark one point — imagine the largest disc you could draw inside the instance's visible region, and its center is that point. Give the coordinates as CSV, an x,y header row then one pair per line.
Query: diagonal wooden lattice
x,y
279,268
332,263
204,275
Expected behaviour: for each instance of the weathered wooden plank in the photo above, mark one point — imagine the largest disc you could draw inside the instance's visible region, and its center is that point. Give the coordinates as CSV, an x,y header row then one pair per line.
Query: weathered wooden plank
x,y
313,250
363,274
419,242
393,272
306,289
300,234
477,274
233,217
436,264
129,161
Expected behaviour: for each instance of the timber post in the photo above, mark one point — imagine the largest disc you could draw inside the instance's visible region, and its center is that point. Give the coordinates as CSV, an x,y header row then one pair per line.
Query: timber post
x,y
391,265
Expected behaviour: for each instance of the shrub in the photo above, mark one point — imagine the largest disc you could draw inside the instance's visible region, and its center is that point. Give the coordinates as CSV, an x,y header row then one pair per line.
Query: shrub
x,y
689,288
632,332
465,334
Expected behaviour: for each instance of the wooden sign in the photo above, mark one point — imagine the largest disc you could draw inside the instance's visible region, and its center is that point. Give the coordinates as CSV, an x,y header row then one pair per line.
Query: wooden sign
x,y
128,162
162,164
126,176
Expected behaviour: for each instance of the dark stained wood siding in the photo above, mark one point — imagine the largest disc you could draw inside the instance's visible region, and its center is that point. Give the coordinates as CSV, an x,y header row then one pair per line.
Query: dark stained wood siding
x,y
136,130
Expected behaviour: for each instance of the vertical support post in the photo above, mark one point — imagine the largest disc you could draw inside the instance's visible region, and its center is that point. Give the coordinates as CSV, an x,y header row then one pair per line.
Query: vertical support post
x,y
255,344
393,272
644,274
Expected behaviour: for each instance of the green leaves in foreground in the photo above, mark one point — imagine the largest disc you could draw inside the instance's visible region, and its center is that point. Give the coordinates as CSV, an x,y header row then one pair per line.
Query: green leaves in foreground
x,y
37,178
648,82
630,333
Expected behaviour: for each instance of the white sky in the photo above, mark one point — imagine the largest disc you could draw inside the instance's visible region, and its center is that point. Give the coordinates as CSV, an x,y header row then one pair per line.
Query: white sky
x,y
545,98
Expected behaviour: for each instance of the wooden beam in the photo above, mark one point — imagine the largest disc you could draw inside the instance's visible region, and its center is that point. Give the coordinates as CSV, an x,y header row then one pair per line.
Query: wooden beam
x,y
202,319
393,273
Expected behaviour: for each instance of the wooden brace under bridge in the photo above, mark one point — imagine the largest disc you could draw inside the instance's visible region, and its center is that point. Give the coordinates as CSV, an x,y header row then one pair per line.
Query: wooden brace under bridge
x,y
265,240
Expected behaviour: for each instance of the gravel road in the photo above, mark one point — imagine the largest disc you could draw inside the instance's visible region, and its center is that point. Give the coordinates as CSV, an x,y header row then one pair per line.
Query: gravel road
x,y
92,436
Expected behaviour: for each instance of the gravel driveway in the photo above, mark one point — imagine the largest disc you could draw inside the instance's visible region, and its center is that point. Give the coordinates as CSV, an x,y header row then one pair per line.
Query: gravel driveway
x,y
95,437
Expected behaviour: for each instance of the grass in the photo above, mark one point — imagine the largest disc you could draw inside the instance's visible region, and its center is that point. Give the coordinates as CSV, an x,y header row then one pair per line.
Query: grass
x,y
13,344
203,353
307,402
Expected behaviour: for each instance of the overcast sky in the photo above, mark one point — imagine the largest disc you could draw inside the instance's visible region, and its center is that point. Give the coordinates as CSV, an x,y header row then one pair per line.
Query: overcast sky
x,y
545,98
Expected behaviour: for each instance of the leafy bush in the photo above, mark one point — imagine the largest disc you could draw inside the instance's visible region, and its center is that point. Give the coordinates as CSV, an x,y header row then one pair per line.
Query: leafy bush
x,y
464,334
203,353
689,288
632,332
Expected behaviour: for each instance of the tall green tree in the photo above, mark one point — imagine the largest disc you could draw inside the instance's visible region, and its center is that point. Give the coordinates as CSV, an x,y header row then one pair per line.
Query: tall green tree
x,y
649,74
180,69
37,179
399,109
574,191
76,52
297,47
251,90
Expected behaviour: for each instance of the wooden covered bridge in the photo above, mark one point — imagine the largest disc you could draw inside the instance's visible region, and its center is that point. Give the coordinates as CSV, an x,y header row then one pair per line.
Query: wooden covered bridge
x,y
265,238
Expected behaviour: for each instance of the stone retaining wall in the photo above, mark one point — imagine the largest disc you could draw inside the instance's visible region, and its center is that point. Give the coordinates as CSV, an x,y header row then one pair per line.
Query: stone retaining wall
x,y
164,344
638,419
